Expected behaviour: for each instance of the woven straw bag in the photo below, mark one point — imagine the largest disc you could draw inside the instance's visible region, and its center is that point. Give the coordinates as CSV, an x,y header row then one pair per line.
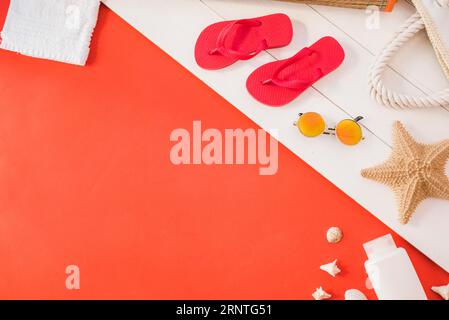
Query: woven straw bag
x,y
433,16
385,5
436,20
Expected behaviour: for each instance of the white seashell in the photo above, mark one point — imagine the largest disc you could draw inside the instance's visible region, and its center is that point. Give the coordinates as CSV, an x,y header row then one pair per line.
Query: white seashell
x,y
354,294
320,294
331,268
443,291
334,235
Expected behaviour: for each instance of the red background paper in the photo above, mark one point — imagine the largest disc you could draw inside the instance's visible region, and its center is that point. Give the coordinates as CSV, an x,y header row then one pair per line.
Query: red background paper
x,y
86,179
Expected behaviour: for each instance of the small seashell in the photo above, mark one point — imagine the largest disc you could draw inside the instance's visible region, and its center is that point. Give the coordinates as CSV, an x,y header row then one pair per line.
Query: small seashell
x,y
331,268
334,235
354,294
320,294
443,291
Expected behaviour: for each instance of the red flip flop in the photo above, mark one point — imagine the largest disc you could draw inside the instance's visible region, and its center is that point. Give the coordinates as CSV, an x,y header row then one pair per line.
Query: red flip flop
x,y
223,43
278,83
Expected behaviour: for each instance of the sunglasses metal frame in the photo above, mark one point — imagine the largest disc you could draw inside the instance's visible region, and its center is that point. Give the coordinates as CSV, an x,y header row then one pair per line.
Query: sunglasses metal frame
x,y
332,131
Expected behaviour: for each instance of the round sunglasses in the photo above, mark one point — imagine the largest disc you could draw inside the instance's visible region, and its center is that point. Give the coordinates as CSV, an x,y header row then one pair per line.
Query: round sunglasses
x,y
348,131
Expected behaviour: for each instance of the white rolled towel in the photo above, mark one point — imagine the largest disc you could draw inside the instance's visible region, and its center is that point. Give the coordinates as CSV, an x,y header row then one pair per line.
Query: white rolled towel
x,y
58,30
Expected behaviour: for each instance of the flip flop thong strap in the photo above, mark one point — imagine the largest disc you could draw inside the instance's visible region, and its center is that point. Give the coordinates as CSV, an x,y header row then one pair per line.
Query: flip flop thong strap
x,y
240,55
299,83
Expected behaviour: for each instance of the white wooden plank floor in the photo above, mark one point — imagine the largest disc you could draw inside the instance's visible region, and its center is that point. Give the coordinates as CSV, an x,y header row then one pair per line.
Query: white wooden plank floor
x,y
175,24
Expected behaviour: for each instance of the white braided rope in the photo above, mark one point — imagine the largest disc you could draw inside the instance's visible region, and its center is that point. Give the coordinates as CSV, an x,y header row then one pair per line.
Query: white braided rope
x,y
388,97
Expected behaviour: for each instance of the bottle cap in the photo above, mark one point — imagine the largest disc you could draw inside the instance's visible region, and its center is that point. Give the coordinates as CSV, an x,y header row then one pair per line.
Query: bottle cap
x,y
379,247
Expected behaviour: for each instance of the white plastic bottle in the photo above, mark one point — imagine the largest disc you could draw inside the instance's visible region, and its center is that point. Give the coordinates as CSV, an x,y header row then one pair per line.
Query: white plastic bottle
x,y
391,271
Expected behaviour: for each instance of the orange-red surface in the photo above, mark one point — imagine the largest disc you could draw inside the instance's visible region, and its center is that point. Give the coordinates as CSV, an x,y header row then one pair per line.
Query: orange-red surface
x,y
85,179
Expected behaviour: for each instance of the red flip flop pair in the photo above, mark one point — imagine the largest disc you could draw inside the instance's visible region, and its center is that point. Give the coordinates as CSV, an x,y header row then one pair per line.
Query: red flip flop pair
x,y
276,83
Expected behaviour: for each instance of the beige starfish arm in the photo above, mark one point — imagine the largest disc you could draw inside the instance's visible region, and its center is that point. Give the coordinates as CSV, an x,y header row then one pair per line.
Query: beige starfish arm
x,y
438,185
403,143
409,196
437,154
387,173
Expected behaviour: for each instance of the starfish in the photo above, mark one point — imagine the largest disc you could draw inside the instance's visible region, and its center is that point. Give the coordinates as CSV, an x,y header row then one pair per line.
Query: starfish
x,y
414,171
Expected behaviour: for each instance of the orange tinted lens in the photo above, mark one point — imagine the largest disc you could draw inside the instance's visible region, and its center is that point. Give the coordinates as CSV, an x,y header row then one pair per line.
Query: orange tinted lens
x,y
349,132
311,124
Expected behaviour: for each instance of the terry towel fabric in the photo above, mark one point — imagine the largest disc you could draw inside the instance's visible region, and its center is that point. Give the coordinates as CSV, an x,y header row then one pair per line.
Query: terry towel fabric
x,y
58,30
